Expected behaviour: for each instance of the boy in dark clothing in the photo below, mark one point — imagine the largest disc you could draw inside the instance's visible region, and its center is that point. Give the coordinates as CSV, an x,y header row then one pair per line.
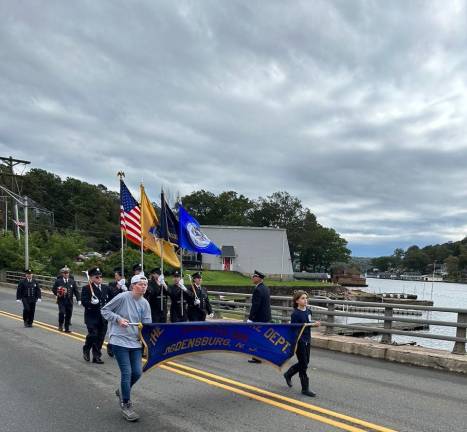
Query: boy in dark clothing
x,y
302,315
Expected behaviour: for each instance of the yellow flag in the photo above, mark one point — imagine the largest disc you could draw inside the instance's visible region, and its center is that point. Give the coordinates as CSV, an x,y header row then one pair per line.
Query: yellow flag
x,y
149,220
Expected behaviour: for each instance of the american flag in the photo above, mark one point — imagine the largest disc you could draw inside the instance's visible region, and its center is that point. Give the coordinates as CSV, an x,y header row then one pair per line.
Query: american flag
x,y
130,215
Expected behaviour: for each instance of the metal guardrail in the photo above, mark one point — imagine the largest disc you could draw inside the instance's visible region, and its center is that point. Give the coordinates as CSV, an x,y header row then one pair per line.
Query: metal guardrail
x,y
237,304
283,304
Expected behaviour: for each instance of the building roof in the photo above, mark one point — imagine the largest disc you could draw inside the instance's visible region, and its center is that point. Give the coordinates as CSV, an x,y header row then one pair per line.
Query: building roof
x,y
228,252
243,228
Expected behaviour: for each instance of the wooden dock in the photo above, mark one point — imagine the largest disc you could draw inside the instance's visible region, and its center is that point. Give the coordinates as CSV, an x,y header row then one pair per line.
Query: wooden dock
x,y
362,333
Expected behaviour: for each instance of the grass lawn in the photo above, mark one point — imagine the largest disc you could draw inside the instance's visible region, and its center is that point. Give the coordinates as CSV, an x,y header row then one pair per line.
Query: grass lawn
x,y
229,278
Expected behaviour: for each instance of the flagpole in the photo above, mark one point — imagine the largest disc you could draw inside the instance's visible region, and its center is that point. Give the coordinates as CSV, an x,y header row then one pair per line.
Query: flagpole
x,y
162,272
121,174
181,274
141,231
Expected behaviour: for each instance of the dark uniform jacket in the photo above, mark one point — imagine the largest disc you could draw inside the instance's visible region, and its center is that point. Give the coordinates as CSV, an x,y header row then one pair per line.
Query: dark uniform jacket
x,y
71,289
198,312
92,312
28,291
260,304
113,291
175,294
153,296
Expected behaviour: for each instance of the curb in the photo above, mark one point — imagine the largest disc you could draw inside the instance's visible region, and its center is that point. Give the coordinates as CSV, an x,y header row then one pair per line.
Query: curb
x,y
411,355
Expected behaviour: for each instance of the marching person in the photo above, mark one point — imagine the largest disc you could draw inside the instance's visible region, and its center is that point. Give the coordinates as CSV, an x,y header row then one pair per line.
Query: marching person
x,y
157,288
128,307
179,297
198,305
137,269
302,315
64,289
116,287
260,304
93,298
28,292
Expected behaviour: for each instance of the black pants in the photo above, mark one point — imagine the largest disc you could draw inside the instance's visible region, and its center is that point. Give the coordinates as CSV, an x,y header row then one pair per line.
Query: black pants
x,y
65,311
303,356
159,316
29,309
95,338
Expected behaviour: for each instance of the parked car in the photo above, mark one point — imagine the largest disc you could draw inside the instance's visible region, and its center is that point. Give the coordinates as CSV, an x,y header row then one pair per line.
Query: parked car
x,y
87,255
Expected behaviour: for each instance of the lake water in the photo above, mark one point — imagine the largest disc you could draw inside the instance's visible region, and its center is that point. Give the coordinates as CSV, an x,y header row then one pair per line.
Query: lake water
x,y
443,295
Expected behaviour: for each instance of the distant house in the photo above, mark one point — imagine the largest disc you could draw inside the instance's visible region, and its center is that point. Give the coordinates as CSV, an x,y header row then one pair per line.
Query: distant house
x,y
245,249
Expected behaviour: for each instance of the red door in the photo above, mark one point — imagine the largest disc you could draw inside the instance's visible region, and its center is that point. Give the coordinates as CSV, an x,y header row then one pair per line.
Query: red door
x,y
227,264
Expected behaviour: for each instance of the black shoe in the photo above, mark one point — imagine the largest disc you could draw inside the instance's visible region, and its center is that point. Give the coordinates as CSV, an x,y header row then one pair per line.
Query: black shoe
x,y
86,355
67,331
30,325
97,360
308,393
109,351
254,360
60,328
26,325
288,379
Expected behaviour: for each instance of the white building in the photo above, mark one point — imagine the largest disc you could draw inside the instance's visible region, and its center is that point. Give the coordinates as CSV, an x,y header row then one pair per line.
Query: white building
x,y
245,249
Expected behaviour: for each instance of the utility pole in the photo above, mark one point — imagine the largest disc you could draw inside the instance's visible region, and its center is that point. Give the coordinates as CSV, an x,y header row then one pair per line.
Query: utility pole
x,y
8,164
25,204
26,234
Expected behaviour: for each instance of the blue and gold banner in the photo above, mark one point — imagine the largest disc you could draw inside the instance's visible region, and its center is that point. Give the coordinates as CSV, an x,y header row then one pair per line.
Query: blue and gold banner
x,y
274,343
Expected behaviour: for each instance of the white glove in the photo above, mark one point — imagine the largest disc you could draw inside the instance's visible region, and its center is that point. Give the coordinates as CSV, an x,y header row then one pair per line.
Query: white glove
x,y
197,302
79,302
249,321
19,301
39,300
183,287
121,285
161,281
211,315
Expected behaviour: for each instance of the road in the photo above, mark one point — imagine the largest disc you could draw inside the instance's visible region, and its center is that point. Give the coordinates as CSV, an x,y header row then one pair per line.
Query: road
x,y
45,386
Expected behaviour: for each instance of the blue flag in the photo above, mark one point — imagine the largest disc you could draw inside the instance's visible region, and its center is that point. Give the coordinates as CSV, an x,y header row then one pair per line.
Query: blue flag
x,y
191,237
275,343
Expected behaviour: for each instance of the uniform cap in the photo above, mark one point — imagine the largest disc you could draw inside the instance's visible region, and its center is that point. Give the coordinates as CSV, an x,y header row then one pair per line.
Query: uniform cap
x,y
196,275
259,274
95,271
156,270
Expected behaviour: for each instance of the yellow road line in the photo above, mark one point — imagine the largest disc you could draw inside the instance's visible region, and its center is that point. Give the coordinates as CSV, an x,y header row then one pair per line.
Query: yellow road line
x,y
175,368
266,400
285,398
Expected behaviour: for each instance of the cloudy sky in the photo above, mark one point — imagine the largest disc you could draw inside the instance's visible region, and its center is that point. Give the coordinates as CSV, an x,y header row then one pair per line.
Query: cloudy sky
x,y
356,107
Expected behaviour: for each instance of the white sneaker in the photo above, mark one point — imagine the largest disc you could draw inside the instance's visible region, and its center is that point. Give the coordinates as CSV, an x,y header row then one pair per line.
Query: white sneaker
x,y
128,412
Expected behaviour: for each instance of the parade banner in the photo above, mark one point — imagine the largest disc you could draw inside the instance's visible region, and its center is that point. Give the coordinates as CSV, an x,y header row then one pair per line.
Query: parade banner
x,y
274,343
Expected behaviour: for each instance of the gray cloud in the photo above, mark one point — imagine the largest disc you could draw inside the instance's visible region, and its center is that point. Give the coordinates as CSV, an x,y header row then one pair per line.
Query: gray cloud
x,y
358,108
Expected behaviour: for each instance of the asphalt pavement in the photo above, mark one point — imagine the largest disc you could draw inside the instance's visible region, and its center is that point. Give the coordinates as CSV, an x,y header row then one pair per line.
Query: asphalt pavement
x,y
45,385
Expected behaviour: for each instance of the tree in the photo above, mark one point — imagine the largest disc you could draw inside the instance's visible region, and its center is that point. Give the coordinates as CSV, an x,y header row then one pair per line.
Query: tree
x,y
452,267
416,259
228,208
319,247
282,210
